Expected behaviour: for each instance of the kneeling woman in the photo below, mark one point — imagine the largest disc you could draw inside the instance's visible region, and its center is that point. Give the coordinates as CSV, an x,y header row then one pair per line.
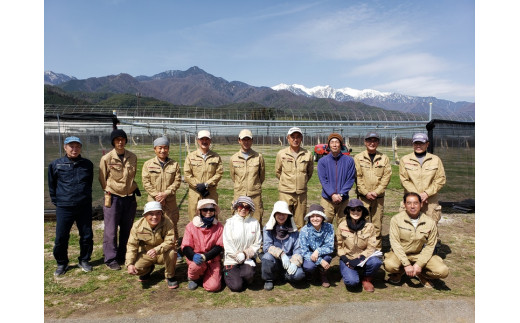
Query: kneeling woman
x,y
282,247
202,245
356,242
242,239
317,242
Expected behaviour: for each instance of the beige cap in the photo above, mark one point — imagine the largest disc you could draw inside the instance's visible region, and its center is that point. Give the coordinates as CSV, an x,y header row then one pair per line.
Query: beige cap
x,y
245,133
204,134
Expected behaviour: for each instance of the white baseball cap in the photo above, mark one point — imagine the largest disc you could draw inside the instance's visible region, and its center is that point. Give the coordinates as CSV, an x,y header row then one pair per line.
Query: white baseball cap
x,y
293,130
204,134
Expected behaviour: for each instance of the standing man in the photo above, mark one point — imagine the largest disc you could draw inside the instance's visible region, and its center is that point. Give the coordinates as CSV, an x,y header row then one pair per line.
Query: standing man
x,y
373,173
70,187
202,171
413,236
294,167
116,175
247,170
161,179
423,173
337,174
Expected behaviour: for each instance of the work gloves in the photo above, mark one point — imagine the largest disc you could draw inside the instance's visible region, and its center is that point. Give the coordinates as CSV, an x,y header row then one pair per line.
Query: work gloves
x,y
201,188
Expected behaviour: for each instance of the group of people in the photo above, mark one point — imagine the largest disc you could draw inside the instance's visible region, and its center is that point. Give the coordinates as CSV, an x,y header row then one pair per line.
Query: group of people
x,y
296,243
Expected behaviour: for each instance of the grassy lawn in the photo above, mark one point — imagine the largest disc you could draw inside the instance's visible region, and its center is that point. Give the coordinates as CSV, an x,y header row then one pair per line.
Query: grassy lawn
x,y
104,292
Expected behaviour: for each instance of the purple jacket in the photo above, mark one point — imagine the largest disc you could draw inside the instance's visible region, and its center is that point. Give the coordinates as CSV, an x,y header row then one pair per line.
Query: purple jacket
x,y
336,174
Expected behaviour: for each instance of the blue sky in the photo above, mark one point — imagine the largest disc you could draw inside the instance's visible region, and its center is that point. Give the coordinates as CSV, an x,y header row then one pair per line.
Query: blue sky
x,y
422,48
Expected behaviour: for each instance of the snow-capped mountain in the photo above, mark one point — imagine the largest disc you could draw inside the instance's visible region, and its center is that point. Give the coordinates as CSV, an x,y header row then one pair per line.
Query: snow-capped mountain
x,y
385,100
49,77
328,92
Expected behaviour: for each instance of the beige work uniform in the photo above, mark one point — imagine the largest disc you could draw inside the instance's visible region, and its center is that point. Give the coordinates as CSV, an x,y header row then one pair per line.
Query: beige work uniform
x,y
116,176
167,179
354,244
293,174
248,176
373,176
199,170
412,245
428,177
143,238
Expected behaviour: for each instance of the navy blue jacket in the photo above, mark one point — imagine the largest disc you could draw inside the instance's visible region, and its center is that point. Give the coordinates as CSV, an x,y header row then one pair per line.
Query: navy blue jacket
x,y
336,174
70,182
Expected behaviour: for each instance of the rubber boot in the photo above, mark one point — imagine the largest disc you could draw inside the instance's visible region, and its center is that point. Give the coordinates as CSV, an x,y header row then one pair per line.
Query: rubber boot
x,y
324,281
367,284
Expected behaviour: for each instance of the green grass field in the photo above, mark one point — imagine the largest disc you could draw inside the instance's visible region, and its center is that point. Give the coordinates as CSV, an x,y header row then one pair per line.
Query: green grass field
x,y
103,293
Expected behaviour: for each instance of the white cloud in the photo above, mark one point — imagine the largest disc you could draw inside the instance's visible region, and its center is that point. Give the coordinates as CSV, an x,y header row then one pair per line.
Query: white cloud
x,y
429,86
402,65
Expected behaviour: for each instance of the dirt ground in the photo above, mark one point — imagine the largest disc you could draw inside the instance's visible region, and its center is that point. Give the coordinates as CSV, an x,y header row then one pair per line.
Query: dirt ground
x,y
105,293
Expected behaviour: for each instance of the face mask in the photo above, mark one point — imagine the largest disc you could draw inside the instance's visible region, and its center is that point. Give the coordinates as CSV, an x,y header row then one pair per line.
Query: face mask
x,y
208,222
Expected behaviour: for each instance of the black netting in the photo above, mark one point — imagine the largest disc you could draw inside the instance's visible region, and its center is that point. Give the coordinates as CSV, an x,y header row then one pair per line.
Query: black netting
x,y
454,143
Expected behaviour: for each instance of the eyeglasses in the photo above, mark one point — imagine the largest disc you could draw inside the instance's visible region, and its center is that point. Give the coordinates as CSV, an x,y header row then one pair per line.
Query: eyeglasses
x,y
356,209
208,210
244,206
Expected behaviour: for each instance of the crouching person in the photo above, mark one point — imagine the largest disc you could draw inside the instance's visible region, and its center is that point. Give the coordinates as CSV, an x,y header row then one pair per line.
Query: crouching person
x,y
282,247
413,236
317,243
357,240
152,241
242,238
202,245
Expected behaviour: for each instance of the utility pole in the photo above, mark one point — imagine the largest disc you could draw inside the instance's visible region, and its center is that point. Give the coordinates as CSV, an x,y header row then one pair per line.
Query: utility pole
x,y
430,112
138,95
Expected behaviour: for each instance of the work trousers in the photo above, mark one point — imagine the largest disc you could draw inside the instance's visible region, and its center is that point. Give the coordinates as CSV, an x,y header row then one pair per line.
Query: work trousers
x,y
434,268
334,211
351,277
376,210
238,276
310,266
65,218
297,205
272,268
210,272
121,214
168,259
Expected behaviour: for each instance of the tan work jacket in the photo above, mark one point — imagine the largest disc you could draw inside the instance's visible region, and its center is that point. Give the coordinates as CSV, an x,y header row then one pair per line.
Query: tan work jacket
x,y
247,174
293,173
143,238
407,240
372,176
197,170
157,179
354,244
429,177
116,176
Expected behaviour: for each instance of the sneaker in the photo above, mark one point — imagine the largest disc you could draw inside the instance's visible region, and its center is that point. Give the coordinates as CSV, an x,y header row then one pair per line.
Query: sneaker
x,y
61,270
395,278
172,283
424,281
268,285
114,265
192,285
85,266
146,276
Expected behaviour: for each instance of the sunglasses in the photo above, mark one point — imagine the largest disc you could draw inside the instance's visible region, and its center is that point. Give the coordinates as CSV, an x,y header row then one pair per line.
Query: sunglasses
x,y
208,210
356,209
245,206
